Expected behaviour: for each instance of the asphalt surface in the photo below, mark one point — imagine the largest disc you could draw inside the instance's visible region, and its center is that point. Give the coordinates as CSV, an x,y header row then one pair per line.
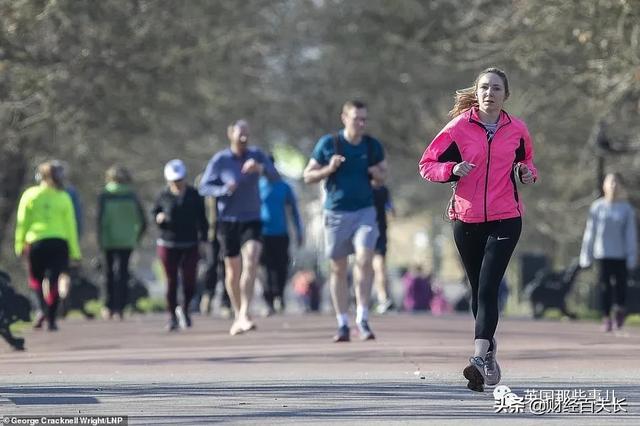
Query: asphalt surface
x,y
289,371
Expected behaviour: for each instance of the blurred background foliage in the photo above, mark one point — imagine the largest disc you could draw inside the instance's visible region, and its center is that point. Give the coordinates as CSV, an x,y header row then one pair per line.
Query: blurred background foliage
x,y
139,82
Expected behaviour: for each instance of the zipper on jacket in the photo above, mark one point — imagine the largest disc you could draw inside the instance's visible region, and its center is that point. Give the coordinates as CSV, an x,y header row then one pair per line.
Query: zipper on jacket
x,y
486,177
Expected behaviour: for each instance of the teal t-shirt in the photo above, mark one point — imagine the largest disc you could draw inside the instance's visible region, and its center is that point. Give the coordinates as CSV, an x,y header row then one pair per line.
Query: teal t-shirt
x,y
349,188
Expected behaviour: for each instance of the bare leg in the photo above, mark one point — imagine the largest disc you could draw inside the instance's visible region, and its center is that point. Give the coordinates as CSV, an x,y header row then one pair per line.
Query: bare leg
x,y
380,280
363,276
338,285
233,267
250,259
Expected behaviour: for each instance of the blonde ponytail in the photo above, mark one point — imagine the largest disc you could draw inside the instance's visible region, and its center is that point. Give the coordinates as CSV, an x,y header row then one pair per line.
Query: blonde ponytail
x,y
465,99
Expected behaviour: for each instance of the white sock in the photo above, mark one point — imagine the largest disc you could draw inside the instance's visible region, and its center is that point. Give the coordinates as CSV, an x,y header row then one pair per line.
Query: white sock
x,y
362,313
482,346
343,319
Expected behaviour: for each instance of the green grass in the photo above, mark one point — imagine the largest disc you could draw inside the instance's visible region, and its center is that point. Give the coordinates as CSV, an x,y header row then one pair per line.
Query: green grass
x,y
147,305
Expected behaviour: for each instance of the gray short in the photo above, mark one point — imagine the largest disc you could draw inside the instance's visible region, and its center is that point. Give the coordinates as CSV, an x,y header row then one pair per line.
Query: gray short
x,y
346,230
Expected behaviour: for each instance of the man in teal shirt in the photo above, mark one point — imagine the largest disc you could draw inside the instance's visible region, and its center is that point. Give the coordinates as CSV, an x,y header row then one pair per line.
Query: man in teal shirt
x,y
349,160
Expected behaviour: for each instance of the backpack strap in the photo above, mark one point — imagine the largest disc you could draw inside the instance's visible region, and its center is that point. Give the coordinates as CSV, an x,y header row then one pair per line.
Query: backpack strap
x,y
337,150
335,138
370,159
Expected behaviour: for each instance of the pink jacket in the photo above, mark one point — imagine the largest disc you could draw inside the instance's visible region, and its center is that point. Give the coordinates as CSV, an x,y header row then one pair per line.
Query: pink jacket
x,y
489,191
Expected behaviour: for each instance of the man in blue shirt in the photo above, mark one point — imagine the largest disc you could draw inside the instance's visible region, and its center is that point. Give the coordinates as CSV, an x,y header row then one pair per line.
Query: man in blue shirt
x,y
348,161
276,196
232,178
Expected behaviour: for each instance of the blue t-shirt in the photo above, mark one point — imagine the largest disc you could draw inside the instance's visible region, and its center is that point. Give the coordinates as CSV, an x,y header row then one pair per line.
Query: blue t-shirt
x,y
275,196
349,188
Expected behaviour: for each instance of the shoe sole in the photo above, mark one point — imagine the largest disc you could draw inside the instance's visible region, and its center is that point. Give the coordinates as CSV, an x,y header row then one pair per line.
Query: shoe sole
x,y
341,339
368,337
476,381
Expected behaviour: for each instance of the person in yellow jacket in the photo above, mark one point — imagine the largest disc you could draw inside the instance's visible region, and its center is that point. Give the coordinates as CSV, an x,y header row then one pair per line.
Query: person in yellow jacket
x,y
46,236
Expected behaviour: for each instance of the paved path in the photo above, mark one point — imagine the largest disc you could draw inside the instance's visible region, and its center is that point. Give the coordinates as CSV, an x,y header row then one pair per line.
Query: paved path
x,y
288,371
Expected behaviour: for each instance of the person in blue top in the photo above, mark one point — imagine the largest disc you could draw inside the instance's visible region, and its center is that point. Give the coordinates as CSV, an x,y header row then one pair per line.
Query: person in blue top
x,y
232,178
348,161
276,196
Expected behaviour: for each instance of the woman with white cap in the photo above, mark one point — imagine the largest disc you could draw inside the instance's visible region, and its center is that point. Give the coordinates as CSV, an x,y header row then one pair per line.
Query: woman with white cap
x,y
179,213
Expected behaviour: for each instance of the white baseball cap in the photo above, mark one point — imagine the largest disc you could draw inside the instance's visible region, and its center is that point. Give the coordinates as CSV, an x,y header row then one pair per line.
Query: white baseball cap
x,y
175,170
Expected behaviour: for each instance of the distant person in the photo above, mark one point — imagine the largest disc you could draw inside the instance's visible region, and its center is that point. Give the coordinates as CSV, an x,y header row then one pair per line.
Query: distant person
x,y
64,285
277,199
417,290
349,160
74,194
383,204
180,215
232,178
610,238
47,237
215,263
306,287
483,150
121,225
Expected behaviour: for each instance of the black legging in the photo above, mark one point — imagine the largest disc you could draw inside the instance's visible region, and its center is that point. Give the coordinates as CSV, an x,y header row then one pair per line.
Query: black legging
x,y
117,279
215,272
275,258
47,259
607,269
485,249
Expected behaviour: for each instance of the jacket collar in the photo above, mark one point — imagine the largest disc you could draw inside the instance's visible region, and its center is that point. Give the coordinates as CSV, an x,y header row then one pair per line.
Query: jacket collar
x,y
472,116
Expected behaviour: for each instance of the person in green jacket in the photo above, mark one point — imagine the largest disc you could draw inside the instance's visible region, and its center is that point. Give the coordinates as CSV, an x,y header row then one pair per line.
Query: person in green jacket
x,y
121,225
46,236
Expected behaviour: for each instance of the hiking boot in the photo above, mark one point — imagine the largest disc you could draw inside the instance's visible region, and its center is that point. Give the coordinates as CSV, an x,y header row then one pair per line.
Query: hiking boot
x,y
475,374
607,325
365,331
342,335
491,366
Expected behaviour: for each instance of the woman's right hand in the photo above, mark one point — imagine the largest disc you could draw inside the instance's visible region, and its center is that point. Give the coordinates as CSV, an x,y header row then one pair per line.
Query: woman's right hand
x,y
463,169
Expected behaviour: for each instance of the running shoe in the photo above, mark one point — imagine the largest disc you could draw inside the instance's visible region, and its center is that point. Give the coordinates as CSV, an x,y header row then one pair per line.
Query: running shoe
x,y
342,335
365,331
475,374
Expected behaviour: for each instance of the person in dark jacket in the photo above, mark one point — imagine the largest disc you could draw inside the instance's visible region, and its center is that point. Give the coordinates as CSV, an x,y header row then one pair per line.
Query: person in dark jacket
x,y
180,214
121,225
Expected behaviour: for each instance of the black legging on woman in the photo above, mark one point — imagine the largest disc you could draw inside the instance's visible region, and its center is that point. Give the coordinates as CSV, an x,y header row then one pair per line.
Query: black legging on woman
x,y
485,249
47,259
117,273
275,258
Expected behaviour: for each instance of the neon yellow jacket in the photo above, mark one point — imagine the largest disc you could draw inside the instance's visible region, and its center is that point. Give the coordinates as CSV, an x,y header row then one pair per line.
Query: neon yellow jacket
x,y
45,212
